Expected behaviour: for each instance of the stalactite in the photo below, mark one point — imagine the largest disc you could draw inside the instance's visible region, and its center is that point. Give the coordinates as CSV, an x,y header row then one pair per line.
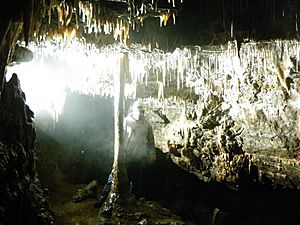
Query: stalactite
x,y
27,18
296,23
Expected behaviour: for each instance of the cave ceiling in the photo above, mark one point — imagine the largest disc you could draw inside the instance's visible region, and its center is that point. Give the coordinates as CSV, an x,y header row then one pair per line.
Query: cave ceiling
x,y
163,24
149,24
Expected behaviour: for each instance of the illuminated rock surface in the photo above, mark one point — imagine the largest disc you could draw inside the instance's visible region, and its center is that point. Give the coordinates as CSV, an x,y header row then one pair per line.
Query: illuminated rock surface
x,y
240,100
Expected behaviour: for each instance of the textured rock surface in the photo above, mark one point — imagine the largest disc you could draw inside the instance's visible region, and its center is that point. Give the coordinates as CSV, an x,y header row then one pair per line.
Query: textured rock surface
x,y
245,120
212,143
22,199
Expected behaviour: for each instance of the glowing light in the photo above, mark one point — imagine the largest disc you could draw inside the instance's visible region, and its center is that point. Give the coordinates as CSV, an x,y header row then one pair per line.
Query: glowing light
x,y
44,89
77,66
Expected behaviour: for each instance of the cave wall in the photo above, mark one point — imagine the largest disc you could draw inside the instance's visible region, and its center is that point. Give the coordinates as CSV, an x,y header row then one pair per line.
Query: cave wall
x,y
243,121
22,199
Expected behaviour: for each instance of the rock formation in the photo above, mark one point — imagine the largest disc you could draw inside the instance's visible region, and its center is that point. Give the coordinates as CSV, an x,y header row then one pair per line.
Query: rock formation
x,y
239,116
22,198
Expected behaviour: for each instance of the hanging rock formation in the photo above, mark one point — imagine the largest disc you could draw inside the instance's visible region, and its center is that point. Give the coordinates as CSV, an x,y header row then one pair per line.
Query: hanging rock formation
x,y
244,118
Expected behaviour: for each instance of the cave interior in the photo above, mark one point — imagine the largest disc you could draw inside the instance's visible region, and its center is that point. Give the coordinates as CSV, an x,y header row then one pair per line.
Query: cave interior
x,y
220,85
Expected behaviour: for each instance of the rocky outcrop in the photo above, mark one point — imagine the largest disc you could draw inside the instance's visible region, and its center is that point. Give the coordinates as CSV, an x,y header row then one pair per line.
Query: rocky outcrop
x,y
209,146
245,122
22,199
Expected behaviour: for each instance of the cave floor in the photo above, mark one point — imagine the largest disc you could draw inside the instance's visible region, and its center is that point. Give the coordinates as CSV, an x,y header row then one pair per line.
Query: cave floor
x,y
68,212
174,189
84,213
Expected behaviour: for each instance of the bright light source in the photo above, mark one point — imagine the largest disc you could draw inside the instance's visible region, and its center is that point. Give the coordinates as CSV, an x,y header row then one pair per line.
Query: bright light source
x,y
54,70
